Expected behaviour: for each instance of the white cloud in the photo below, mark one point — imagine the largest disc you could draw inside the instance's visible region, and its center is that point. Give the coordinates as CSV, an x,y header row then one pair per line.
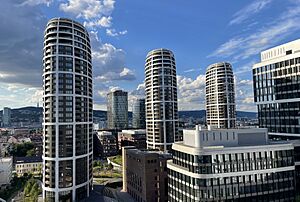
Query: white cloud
x,y
88,9
242,47
36,2
244,95
113,32
248,100
109,61
102,22
18,95
125,74
249,10
96,13
246,68
36,96
191,93
190,70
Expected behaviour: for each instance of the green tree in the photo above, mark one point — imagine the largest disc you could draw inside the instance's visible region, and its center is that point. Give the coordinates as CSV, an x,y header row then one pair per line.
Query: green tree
x,y
20,150
31,191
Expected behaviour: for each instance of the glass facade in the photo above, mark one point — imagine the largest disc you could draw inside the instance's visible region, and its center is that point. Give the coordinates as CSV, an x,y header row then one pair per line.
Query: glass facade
x,y
161,99
256,175
68,111
117,110
138,114
276,93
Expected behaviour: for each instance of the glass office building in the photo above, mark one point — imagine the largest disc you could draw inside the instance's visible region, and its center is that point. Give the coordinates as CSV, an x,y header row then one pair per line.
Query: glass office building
x,y
231,165
276,82
117,110
138,114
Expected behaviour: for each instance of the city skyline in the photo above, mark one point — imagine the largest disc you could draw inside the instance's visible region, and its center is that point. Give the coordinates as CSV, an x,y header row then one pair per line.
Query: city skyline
x,y
122,34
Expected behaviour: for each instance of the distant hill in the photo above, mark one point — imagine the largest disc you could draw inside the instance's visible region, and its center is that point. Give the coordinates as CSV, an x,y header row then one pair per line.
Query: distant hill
x,y
33,113
201,114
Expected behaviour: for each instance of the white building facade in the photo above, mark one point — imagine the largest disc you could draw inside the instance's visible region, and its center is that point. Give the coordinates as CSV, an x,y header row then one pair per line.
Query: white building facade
x,y
276,84
5,171
220,95
68,111
161,99
230,165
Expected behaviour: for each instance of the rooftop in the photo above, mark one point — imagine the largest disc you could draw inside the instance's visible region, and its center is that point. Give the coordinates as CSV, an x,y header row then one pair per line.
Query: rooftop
x,y
138,131
28,159
202,137
147,152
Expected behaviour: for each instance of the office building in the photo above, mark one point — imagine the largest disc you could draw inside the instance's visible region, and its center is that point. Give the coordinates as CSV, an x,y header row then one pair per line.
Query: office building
x,y
231,165
138,114
161,99
68,112
29,165
6,118
276,83
117,109
220,96
136,138
108,143
5,172
145,174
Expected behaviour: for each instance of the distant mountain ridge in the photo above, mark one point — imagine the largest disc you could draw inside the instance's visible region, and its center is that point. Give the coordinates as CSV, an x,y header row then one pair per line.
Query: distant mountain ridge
x,y
28,112
201,114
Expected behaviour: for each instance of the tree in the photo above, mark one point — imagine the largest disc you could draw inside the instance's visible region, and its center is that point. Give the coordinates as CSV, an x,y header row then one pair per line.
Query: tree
x,y
20,150
31,191
30,152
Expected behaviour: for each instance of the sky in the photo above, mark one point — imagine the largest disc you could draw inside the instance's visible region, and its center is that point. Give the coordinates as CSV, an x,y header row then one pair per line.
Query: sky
x,y
122,33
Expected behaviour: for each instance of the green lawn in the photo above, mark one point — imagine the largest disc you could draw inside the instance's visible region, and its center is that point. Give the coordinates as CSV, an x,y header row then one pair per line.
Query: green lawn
x,y
107,174
116,159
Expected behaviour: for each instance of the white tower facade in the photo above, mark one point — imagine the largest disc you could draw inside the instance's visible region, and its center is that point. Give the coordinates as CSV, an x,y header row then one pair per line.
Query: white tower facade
x,y
68,112
161,100
220,96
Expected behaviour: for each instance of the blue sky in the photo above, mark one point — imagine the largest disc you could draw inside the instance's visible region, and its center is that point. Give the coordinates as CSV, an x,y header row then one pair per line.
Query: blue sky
x,y
122,32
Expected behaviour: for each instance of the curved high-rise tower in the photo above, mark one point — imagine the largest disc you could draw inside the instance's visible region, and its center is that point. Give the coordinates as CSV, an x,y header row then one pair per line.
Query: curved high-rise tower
x,y
68,112
161,99
220,96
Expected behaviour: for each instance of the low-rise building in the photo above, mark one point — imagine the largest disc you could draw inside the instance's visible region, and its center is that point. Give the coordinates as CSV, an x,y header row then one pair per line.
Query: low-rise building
x,y
5,172
230,165
4,145
108,143
29,164
145,174
135,138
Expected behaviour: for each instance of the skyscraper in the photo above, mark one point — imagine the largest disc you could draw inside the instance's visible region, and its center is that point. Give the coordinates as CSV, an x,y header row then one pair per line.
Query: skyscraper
x,y
68,111
220,96
138,114
117,109
6,118
161,99
276,83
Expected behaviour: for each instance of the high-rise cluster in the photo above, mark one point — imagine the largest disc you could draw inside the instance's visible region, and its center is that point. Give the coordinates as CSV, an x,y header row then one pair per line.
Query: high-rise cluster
x,y
220,96
161,99
68,111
